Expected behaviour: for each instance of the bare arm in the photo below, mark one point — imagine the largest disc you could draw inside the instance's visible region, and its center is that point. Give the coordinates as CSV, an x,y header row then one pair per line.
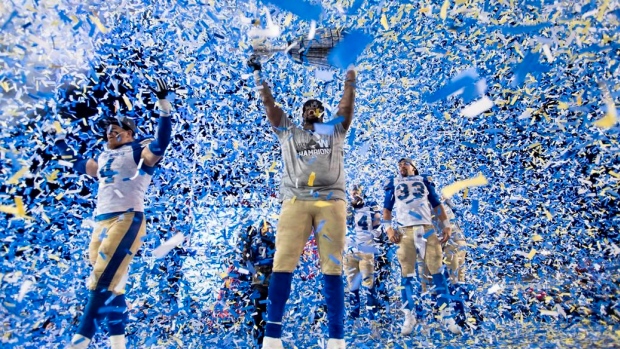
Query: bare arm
x,y
387,215
92,168
393,236
345,107
274,113
440,212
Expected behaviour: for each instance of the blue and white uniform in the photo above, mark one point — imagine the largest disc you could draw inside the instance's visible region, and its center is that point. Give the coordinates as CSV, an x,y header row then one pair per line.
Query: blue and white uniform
x,y
123,179
409,197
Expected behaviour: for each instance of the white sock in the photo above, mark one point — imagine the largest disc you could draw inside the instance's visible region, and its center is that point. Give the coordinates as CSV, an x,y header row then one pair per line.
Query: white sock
x,y
79,342
118,342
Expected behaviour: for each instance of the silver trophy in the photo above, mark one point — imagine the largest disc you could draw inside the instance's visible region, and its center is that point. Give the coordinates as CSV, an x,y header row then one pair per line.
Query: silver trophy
x,y
301,50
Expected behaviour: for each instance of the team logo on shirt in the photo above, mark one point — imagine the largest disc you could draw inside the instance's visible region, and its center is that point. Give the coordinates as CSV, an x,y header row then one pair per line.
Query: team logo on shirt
x,y
315,147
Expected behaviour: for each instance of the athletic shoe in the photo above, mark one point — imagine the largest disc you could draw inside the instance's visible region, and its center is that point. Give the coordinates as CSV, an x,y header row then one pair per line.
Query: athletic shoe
x,y
272,343
335,344
409,323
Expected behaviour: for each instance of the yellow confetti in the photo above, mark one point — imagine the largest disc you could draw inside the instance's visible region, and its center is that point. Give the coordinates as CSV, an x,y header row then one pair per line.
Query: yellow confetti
x,y
455,187
602,10
537,238
610,119
617,175
127,102
293,199
272,167
19,174
384,22
322,204
288,19
8,209
5,86
311,179
235,145
549,215
57,127
178,340
562,106
19,205
531,254
189,67
99,25
443,14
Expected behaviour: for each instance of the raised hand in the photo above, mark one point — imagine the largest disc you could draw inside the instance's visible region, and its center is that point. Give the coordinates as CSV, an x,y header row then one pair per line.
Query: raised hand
x,y
254,63
162,91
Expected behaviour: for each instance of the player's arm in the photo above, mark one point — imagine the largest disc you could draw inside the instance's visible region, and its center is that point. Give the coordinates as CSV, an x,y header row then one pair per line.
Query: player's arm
x,y
376,223
246,253
438,209
156,149
345,107
274,113
388,206
80,164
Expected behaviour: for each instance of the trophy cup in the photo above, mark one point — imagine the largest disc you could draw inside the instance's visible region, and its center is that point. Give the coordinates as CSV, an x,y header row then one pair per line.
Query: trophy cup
x,y
303,50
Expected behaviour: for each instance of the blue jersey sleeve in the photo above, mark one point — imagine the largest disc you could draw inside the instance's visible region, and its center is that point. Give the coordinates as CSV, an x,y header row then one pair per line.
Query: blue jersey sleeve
x,y
433,197
137,155
389,200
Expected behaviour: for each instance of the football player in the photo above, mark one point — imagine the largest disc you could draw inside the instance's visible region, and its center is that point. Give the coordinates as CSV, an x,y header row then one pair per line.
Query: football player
x,y
260,246
313,195
123,170
359,261
412,195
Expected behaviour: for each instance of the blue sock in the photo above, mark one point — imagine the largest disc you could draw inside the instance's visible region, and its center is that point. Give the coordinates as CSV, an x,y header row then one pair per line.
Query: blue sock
x,y
354,301
333,290
441,287
117,316
372,302
407,292
279,291
92,316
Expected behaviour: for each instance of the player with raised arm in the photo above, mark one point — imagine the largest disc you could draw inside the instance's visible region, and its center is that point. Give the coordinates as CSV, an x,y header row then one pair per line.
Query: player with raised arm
x,y
313,195
123,170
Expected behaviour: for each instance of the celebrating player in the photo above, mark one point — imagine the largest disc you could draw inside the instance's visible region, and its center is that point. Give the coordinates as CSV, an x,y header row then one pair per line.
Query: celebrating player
x,y
313,195
410,194
124,170
258,252
359,261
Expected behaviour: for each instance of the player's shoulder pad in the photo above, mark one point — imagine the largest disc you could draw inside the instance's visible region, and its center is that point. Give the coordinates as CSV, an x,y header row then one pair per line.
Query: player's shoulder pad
x,y
427,178
145,141
388,183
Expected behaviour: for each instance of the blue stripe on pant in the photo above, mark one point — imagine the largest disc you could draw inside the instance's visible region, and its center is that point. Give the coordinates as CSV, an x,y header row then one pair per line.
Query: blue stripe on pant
x,y
121,252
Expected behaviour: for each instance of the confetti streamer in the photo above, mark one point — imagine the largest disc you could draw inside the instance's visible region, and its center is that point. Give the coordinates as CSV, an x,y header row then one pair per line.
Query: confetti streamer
x,y
168,245
449,190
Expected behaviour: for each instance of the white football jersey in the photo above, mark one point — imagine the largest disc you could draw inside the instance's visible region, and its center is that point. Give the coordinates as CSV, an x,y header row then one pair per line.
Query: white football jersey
x,y
122,184
411,201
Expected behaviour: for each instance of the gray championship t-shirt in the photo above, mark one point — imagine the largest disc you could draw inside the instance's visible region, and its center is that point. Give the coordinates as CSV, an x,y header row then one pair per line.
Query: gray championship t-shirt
x,y
306,152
